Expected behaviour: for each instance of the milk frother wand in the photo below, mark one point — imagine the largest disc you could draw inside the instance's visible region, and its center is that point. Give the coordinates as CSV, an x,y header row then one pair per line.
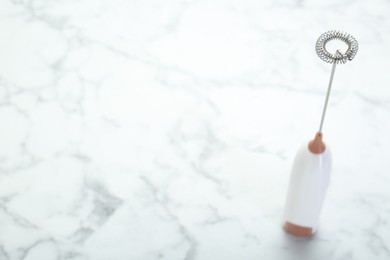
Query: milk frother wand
x,y
336,58
312,165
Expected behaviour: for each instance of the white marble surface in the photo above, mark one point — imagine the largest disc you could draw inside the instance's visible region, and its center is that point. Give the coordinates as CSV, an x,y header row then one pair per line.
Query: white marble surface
x,y
166,129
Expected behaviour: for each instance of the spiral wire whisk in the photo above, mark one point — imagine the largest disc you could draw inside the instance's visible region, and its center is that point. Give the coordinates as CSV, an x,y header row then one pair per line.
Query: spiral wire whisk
x,y
339,58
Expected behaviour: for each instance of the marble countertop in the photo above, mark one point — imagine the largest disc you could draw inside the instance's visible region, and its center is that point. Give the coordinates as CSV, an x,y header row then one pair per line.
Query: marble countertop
x,y
142,130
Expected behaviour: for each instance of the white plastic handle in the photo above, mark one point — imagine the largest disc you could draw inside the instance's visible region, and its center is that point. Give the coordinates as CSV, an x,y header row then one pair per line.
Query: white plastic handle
x,y
308,184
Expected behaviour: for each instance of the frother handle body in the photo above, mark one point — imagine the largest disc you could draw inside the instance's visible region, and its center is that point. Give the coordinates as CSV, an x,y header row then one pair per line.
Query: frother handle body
x,y
307,189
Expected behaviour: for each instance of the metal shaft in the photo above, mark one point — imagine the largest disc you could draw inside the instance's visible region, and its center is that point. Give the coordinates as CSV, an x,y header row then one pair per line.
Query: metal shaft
x,y
328,93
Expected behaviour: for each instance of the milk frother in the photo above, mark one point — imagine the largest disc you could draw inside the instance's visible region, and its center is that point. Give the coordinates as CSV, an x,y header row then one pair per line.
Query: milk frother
x,y
312,165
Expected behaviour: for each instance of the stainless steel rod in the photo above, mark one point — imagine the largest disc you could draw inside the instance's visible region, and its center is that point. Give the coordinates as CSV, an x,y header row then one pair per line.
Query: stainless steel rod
x,y
327,95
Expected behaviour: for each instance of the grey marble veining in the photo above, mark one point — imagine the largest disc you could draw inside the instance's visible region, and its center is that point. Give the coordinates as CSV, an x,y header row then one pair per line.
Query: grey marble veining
x,y
166,130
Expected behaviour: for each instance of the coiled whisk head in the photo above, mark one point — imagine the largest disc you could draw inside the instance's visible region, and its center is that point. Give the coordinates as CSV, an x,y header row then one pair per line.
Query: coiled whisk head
x,y
338,57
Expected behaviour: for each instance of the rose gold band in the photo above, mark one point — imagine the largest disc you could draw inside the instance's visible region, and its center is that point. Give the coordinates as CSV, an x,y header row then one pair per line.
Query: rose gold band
x,y
298,231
